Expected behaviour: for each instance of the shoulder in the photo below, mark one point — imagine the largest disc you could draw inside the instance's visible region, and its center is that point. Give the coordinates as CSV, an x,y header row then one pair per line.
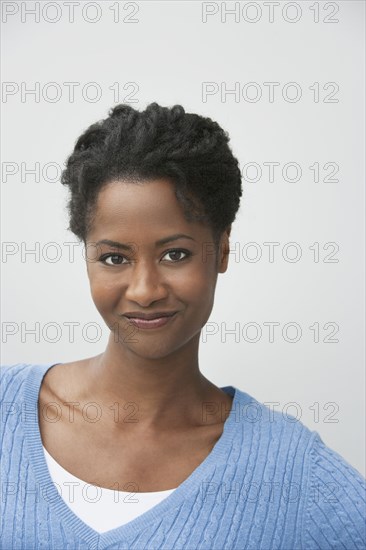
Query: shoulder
x,y
327,492
12,383
12,377
283,433
280,428
335,512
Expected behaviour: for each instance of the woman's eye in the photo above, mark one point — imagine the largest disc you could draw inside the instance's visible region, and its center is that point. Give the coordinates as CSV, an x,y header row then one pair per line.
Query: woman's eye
x,y
116,259
177,252
175,256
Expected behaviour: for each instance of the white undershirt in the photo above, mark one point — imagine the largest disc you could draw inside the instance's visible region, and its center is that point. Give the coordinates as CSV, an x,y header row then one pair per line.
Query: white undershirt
x,y
101,509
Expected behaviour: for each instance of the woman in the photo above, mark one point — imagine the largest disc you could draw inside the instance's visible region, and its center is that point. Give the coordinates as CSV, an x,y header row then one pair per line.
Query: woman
x,y
135,448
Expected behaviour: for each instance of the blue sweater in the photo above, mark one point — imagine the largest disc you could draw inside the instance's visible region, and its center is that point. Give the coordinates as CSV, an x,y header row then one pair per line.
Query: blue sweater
x,y
268,483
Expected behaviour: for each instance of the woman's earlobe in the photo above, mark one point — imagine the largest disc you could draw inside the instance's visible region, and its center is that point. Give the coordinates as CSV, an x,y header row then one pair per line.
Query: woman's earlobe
x,y
225,251
226,256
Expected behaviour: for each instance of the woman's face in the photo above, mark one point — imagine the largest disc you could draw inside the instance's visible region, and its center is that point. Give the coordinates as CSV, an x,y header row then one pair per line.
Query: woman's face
x,y
176,276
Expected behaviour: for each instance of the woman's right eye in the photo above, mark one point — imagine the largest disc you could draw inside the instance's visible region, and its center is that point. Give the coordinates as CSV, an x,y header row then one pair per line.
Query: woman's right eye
x,y
116,259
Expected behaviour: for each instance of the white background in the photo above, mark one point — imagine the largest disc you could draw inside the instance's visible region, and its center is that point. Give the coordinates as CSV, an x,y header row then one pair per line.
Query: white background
x,y
168,54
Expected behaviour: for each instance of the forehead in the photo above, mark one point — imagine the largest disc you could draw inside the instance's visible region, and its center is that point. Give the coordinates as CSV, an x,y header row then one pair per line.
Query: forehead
x,y
148,207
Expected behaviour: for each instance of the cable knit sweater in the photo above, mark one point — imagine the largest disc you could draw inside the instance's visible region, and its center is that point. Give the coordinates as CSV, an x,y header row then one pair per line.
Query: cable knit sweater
x,y
268,483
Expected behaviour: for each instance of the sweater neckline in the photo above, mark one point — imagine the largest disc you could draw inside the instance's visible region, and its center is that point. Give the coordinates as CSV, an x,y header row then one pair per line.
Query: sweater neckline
x,y
61,472
204,470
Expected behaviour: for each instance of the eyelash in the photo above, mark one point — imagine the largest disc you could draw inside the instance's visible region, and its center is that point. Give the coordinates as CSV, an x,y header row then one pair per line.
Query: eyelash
x,y
186,252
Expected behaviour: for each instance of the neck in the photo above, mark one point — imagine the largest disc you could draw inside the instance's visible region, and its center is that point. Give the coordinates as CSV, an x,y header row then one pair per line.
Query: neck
x,y
163,393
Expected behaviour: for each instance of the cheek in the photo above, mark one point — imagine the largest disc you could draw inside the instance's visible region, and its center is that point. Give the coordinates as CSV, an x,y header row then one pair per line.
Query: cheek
x,y
104,293
198,287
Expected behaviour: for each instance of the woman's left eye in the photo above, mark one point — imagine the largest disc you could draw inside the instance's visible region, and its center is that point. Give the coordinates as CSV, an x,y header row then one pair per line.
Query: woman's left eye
x,y
178,251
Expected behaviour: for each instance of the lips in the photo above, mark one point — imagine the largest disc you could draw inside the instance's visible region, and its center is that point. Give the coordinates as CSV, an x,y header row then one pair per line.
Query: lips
x,y
155,322
148,316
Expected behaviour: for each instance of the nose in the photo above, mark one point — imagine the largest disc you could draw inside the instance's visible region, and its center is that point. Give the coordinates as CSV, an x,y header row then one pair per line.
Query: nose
x,y
145,285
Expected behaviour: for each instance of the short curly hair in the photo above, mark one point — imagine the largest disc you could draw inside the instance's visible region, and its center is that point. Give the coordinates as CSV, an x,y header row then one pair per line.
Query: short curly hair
x,y
189,150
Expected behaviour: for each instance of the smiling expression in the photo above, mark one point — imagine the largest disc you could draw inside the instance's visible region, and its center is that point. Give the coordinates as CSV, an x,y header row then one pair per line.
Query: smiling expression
x,y
144,256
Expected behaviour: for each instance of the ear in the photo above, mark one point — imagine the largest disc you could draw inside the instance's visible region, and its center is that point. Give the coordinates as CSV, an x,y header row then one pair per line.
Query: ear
x,y
224,250
86,259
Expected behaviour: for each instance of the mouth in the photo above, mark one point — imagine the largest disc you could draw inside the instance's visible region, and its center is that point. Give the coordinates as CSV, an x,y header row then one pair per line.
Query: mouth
x,y
153,322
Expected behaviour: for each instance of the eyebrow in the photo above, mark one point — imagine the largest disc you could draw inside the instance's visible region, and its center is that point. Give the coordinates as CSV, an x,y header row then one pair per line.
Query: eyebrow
x,y
160,242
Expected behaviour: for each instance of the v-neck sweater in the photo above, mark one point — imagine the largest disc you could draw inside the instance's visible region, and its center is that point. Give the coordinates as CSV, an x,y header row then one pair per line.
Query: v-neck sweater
x,y
100,508
268,483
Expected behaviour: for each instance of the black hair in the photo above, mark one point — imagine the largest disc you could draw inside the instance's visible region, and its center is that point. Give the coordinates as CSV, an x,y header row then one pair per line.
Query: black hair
x,y
189,150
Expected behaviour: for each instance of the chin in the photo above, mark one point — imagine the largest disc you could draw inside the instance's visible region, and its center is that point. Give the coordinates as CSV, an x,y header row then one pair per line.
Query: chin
x,y
147,352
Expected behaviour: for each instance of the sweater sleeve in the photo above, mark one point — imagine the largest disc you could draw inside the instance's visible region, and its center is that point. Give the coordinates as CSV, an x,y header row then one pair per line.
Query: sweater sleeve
x,y
335,511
